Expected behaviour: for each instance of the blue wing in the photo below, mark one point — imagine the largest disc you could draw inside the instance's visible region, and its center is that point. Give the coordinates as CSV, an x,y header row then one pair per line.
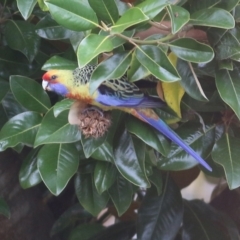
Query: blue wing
x,y
121,93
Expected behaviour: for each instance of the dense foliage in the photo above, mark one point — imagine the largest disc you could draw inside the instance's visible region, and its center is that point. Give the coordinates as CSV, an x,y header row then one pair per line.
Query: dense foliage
x,y
129,167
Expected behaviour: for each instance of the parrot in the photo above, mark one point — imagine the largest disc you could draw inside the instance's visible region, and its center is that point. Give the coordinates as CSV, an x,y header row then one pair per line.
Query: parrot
x,y
116,93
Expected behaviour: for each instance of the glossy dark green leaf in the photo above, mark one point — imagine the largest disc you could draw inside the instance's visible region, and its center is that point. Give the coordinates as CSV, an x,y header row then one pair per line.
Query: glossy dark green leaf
x,y
156,61
157,179
202,221
56,130
158,214
205,4
20,129
62,106
30,94
21,36
106,10
188,81
4,88
152,7
49,29
4,208
136,71
213,17
228,87
72,14
26,7
226,152
131,17
29,175
104,152
121,193
88,196
179,17
148,135
227,46
70,216
202,142
190,50
57,62
11,106
129,157
15,63
75,39
91,46
85,231
91,144
57,163
104,176
114,67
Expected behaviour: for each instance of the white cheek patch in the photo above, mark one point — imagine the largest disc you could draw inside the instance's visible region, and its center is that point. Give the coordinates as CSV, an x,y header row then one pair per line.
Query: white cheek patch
x,y
44,84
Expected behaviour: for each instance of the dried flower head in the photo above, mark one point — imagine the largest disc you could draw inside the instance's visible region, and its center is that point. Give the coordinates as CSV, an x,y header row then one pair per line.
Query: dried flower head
x,y
94,122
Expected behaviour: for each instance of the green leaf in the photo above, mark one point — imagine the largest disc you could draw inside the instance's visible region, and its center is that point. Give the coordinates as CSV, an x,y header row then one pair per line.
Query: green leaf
x,y
62,106
29,175
104,176
26,7
131,17
57,62
129,157
148,135
227,46
190,50
21,36
91,46
188,81
121,193
228,87
42,5
30,94
213,17
88,196
85,231
75,39
136,70
106,10
205,4
158,214
49,29
4,88
202,142
70,216
90,145
15,63
4,208
56,130
72,14
57,163
152,7
104,152
201,221
11,106
157,179
226,152
156,61
179,17
20,129
114,67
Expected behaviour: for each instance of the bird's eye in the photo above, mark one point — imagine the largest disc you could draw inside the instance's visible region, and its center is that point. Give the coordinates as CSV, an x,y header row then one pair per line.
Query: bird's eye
x,y
53,77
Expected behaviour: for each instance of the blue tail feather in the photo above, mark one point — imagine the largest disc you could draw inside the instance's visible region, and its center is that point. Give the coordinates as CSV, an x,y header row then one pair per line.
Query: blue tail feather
x,y
162,127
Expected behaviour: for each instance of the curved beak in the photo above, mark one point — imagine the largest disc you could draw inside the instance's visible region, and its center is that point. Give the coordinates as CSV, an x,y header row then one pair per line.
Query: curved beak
x,y
45,85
